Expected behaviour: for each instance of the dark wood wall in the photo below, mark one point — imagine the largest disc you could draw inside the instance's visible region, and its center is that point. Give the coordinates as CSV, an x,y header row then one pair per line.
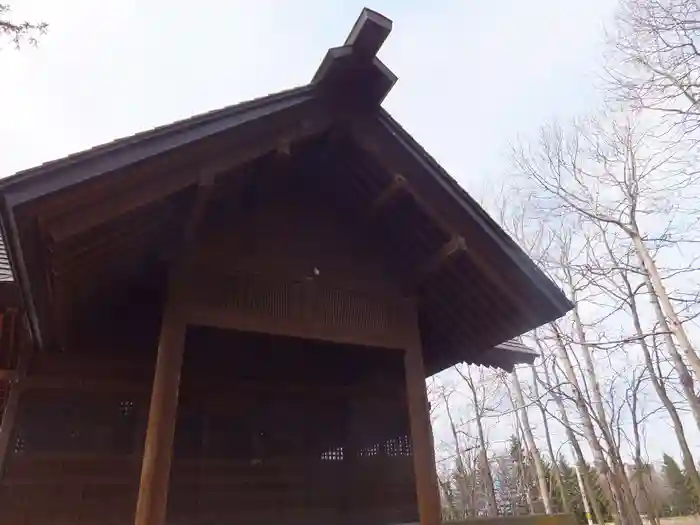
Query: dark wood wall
x,y
292,405
270,429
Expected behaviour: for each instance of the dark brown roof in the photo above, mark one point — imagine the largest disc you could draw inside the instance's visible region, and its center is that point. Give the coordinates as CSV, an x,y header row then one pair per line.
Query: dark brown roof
x,y
491,291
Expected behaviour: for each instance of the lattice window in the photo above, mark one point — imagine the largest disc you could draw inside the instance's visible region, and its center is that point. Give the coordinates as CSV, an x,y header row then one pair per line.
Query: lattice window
x,y
334,454
244,294
370,452
126,408
19,445
75,423
331,307
396,447
340,307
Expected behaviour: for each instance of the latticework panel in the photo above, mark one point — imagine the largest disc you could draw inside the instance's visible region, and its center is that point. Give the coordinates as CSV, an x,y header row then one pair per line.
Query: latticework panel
x,y
75,424
303,433
269,430
303,308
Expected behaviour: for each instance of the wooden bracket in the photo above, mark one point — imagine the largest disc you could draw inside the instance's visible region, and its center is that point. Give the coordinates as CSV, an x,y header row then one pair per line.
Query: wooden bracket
x,y
205,187
378,143
454,246
284,148
388,193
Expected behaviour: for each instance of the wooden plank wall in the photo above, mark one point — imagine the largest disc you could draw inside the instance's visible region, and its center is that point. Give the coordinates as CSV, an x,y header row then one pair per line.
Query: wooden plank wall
x,y
272,428
276,433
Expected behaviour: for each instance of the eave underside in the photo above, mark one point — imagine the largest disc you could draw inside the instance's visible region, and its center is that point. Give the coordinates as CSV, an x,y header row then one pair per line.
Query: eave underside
x,y
89,278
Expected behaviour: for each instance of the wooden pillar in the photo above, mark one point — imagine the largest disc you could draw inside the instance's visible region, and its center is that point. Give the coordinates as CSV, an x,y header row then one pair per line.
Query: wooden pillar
x,y
9,415
421,438
152,501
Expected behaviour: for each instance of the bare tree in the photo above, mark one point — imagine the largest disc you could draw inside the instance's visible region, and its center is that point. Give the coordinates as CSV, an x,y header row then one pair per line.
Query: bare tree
x,y
657,63
619,174
640,467
476,389
553,458
464,476
19,32
656,379
530,440
571,437
564,360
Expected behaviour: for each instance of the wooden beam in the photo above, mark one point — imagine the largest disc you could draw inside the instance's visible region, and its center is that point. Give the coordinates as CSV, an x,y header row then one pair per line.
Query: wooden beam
x,y
201,385
111,204
79,384
152,500
374,142
455,245
388,193
421,433
284,148
117,203
9,375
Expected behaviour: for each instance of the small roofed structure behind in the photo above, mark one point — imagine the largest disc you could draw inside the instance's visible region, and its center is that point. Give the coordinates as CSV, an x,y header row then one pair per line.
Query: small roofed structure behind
x,y
231,318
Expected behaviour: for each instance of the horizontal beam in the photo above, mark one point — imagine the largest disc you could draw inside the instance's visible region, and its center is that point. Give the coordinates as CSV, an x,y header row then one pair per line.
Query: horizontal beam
x,y
112,203
226,319
100,211
9,375
200,385
78,384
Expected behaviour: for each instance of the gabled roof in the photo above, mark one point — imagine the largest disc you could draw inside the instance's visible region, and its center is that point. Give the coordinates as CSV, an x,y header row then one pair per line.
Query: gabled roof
x,y
490,272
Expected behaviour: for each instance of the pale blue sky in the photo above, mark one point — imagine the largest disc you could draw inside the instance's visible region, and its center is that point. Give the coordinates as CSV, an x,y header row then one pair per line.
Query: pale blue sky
x,y
472,75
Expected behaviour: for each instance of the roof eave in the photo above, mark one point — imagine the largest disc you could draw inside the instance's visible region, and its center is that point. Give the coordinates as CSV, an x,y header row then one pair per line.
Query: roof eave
x,y
558,302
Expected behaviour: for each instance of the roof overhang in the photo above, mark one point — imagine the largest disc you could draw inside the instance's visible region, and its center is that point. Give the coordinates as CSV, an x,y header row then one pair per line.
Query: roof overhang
x,y
349,86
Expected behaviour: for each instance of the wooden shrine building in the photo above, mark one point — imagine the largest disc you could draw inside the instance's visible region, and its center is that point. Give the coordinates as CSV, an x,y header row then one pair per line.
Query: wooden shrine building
x,y
230,319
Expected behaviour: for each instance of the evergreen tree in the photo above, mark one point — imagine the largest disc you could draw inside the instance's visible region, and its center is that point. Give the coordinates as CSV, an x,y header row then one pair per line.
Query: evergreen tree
x,y
568,478
527,489
681,502
593,477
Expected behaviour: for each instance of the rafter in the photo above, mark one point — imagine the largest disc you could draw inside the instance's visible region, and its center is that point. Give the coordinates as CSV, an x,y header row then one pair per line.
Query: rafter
x,y
373,142
111,204
452,247
387,194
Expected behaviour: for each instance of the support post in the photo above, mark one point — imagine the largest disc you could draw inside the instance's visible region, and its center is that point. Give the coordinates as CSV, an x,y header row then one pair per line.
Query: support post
x,y
9,415
152,501
421,437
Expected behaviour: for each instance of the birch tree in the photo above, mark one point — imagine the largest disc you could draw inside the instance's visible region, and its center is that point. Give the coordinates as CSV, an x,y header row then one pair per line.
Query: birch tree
x,y
478,396
530,440
620,174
